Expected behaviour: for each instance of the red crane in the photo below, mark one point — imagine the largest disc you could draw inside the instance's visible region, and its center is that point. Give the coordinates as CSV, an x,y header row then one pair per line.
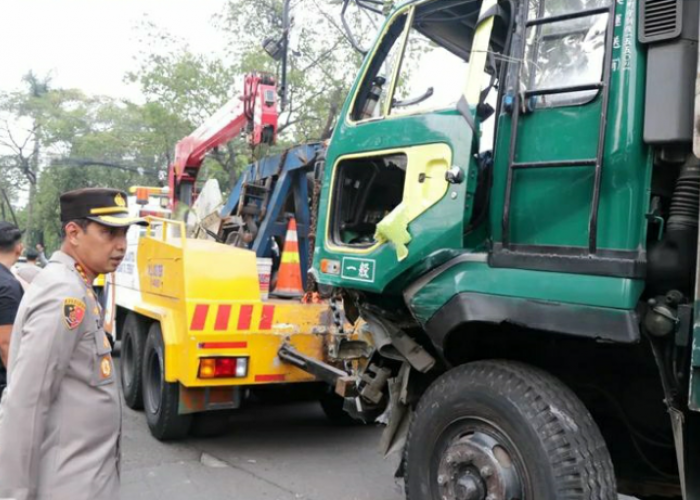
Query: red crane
x,y
255,113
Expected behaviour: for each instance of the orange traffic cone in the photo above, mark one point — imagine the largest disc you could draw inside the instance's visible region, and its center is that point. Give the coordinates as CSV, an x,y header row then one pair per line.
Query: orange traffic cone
x,y
289,282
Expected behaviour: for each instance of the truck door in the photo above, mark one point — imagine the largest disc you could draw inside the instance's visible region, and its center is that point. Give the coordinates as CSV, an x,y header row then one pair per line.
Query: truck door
x,y
570,168
398,167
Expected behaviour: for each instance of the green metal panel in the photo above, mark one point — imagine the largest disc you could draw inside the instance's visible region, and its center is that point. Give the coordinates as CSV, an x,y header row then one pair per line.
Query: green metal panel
x,y
540,217
436,234
597,291
440,227
551,207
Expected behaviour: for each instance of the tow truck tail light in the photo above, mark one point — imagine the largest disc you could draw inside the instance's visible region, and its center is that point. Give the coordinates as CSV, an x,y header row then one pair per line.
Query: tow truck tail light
x,y
223,367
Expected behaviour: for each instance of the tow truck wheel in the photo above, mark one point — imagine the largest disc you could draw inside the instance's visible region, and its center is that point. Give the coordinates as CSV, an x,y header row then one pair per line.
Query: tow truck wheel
x,y
161,398
133,338
499,430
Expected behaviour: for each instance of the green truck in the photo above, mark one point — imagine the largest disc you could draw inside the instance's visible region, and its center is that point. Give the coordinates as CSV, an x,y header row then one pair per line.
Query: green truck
x,y
521,244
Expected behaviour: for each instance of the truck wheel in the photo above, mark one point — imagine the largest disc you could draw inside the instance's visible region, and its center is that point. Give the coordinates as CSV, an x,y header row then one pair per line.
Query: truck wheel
x,y
161,398
133,336
210,423
501,430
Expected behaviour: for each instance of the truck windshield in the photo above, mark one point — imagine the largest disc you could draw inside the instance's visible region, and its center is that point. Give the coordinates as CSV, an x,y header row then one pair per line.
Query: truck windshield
x,y
431,68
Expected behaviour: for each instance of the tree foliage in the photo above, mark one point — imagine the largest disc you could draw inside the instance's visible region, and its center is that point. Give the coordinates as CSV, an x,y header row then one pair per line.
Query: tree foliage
x,y
191,87
61,139
54,139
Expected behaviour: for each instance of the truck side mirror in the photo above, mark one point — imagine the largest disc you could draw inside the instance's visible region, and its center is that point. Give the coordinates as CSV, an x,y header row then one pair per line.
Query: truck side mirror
x,y
454,175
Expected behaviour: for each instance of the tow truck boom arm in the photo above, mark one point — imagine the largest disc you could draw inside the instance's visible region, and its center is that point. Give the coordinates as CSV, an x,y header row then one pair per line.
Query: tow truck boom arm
x,y
255,112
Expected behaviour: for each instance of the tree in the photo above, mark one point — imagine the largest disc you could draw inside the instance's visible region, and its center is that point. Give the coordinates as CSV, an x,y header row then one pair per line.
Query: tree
x,y
189,87
8,192
57,139
322,63
182,89
115,147
23,131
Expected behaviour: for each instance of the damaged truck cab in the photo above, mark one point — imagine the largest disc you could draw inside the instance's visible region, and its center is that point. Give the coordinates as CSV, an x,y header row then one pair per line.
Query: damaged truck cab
x,y
510,204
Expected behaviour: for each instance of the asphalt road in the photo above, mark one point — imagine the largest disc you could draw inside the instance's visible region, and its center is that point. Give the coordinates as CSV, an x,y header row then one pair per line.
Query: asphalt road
x,y
279,452
271,452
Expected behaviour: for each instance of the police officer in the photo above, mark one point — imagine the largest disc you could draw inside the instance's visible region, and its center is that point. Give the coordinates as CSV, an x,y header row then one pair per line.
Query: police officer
x,y
60,418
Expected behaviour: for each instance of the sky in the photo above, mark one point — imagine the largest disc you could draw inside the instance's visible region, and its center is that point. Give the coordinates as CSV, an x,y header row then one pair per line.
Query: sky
x,y
90,44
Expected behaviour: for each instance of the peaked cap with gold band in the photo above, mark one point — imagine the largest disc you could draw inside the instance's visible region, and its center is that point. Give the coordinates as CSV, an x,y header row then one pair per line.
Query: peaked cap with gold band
x,y
104,206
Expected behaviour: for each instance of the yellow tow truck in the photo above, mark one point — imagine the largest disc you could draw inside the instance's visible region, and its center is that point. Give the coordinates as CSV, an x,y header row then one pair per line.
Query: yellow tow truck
x,y
195,333
197,330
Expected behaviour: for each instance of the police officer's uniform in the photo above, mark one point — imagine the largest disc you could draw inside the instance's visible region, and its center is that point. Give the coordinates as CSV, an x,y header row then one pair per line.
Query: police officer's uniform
x,y
60,417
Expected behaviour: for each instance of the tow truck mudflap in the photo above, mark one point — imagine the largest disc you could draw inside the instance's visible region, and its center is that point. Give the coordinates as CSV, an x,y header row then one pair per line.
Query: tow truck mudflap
x,y
198,399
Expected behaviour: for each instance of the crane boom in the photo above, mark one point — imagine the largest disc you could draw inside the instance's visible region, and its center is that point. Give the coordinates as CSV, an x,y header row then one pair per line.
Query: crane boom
x,y
255,113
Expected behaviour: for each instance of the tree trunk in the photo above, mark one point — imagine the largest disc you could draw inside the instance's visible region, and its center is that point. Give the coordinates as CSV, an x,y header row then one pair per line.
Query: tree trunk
x,y
34,168
332,112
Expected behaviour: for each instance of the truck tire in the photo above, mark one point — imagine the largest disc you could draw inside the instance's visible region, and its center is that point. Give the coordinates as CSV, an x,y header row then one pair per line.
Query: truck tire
x,y
161,398
210,423
133,335
503,430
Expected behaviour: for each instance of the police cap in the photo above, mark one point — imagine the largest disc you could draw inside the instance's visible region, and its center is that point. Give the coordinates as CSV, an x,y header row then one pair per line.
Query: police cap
x,y
102,205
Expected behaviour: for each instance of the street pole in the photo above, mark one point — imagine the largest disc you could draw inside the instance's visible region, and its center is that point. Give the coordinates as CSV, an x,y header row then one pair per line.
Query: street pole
x,y
285,50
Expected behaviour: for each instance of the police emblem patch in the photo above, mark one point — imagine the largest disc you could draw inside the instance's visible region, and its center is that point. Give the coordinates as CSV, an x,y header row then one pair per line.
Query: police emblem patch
x,y
73,312
119,201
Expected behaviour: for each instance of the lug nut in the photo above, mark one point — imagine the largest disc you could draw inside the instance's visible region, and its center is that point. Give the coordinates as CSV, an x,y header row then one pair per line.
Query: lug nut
x,y
486,471
442,479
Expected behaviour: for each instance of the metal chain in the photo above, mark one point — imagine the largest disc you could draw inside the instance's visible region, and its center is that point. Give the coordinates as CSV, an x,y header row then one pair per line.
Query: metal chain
x,y
338,314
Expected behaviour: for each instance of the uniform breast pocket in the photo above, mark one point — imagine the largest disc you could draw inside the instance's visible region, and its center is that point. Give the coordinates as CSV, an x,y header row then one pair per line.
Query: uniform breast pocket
x,y
103,372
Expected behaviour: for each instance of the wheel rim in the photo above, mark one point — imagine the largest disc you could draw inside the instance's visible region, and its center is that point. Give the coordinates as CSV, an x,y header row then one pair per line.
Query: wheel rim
x,y
154,384
127,361
475,460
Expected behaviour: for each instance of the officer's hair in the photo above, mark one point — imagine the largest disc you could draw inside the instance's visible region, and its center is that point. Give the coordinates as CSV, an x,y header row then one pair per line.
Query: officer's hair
x,y
9,239
82,223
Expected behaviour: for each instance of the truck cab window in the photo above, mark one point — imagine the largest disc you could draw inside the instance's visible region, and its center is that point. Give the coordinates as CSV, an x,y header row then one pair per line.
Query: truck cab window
x,y
440,37
423,84
367,190
565,53
372,96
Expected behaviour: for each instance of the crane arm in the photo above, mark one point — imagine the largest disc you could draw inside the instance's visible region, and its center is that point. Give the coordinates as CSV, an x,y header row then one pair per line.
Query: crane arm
x,y
255,112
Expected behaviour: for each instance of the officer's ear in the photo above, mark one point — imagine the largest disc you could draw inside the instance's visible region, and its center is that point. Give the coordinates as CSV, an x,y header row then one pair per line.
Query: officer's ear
x,y
72,229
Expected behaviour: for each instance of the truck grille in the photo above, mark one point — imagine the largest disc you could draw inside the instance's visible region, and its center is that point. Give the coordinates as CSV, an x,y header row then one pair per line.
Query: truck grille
x,y
659,20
